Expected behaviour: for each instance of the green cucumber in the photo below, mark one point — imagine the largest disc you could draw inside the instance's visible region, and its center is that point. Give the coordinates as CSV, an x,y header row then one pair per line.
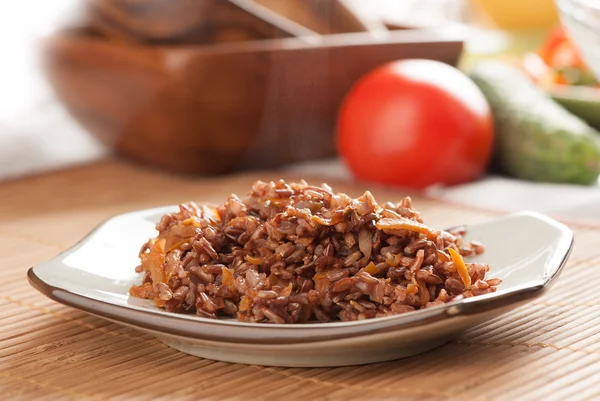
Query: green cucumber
x,y
536,138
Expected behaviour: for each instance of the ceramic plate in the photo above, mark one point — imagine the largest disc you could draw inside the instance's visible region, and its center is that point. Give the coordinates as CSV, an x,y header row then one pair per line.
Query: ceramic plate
x,y
526,250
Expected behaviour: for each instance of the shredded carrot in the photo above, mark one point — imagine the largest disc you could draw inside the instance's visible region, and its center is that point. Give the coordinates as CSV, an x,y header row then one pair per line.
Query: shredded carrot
x,y
412,289
228,280
191,222
156,261
461,268
406,224
280,201
320,276
337,217
321,281
142,291
424,294
216,214
253,260
245,304
370,268
393,259
287,291
177,245
182,235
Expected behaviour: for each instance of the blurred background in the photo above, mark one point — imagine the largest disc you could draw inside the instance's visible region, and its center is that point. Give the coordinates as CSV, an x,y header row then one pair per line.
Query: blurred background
x,y
211,87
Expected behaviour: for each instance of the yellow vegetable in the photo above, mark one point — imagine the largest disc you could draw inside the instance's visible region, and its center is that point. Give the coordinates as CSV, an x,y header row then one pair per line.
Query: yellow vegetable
x,y
370,268
461,268
519,14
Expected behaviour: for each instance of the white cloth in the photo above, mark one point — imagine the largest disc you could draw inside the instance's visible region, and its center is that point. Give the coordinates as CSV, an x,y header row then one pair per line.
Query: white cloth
x,y
36,132
568,202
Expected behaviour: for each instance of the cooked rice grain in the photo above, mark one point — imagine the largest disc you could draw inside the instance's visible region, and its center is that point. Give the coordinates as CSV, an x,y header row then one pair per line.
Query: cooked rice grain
x,y
293,253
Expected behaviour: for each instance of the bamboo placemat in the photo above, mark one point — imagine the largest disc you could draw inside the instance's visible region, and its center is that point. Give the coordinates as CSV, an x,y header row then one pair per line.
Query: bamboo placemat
x,y
547,349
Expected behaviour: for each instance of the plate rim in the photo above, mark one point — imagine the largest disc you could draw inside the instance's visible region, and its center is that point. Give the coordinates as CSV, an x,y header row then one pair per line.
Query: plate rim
x,y
182,325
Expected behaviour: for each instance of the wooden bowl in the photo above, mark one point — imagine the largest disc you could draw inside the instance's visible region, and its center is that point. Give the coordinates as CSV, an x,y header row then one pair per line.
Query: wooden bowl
x,y
321,16
190,21
218,108
151,20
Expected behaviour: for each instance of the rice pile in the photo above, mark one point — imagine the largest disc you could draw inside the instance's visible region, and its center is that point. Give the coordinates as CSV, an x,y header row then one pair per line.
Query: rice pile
x,y
294,253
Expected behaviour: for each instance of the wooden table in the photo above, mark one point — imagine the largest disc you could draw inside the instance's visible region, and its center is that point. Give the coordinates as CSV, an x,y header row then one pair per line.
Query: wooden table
x,y
547,349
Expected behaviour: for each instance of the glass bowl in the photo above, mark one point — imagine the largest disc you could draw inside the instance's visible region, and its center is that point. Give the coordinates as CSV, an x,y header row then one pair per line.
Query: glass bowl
x,y
582,19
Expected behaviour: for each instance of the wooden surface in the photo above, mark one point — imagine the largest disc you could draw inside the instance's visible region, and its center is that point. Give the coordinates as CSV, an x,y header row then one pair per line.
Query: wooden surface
x,y
548,349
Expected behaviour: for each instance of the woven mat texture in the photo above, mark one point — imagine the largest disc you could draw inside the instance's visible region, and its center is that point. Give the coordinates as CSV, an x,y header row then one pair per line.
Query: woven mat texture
x,y
548,349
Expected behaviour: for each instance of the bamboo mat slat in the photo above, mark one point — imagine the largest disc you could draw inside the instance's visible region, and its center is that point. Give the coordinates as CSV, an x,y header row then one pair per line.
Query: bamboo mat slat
x,y
548,349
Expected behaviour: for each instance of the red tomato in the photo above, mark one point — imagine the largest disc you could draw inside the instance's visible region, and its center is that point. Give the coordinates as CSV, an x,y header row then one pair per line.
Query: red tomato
x,y
415,123
555,38
559,51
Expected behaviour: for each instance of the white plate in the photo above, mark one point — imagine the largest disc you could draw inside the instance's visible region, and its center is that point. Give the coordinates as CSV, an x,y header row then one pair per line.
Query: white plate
x,y
526,250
